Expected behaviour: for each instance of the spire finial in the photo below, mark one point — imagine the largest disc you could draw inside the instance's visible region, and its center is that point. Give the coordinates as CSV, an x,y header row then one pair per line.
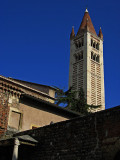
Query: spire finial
x,y
86,10
72,35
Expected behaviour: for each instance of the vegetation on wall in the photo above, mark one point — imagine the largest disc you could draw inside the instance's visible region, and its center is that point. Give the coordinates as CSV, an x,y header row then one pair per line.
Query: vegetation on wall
x,y
74,100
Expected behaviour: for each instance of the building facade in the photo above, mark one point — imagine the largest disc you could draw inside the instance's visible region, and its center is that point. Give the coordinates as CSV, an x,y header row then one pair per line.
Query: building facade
x,y
25,105
86,62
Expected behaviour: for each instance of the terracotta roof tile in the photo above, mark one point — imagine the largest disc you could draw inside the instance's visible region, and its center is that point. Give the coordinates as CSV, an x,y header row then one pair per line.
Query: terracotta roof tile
x,y
72,35
86,24
100,33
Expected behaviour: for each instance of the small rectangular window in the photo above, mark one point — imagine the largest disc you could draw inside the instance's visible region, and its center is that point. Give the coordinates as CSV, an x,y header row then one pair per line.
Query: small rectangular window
x,y
15,120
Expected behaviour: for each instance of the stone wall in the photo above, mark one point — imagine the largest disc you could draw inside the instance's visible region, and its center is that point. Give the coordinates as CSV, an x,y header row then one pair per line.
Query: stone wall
x,y
4,112
94,137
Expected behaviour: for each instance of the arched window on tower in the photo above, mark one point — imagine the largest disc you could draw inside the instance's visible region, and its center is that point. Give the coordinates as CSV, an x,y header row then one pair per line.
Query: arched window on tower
x,y
81,55
97,46
97,59
94,45
76,44
94,57
91,42
91,55
82,42
79,44
76,58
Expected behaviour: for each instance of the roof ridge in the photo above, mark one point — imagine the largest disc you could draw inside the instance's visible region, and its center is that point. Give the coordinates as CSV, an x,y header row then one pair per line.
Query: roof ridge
x,y
30,82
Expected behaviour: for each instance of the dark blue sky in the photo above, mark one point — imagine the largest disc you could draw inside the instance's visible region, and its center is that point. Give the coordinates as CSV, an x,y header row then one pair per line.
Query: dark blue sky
x,y
34,40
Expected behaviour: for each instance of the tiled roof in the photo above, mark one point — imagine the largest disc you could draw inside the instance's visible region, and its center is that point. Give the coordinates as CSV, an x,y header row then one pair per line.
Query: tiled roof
x,y
100,33
86,24
26,82
72,35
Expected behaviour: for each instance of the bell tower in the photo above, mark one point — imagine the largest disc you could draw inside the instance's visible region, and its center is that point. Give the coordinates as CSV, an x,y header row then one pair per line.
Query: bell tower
x,y
86,62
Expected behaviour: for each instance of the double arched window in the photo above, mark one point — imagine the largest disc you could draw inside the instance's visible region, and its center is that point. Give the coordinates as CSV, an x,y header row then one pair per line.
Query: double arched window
x,y
79,43
94,44
79,56
95,57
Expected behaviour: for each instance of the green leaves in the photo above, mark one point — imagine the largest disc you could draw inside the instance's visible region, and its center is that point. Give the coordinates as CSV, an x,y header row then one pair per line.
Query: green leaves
x,y
65,97
74,100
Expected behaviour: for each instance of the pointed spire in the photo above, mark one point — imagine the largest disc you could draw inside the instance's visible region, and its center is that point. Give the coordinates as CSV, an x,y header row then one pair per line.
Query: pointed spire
x,y
86,23
72,35
100,33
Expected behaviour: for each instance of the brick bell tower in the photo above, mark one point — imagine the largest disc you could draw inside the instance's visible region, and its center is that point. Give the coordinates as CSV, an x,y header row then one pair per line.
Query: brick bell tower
x,y
86,62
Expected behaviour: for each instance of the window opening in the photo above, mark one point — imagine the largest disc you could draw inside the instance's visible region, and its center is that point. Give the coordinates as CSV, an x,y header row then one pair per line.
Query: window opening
x,y
94,45
94,57
91,42
97,46
91,55
76,44
82,42
76,58
79,44
97,59
81,55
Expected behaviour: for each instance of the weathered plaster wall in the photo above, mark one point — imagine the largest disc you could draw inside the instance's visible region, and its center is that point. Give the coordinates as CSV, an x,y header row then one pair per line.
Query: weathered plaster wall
x,y
24,114
94,137
37,117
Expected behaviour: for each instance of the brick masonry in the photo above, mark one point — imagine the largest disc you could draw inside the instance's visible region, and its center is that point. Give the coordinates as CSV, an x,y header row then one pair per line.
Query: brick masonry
x,y
4,112
93,137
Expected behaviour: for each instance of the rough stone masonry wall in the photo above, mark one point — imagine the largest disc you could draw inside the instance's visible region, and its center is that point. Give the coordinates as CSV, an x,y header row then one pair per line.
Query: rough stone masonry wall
x,y
94,137
4,112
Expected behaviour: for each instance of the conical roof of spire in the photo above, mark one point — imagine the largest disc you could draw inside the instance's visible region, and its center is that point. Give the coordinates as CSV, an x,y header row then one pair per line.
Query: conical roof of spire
x,y
72,35
86,24
100,33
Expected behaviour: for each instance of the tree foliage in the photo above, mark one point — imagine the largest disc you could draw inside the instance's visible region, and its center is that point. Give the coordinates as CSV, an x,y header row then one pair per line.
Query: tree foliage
x,y
74,100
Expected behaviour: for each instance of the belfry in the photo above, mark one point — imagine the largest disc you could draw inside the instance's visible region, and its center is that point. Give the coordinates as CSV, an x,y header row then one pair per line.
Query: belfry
x,y
86,62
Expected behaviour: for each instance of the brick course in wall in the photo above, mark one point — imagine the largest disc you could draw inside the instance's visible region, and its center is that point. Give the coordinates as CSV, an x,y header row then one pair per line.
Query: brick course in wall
x,y
4,112
70,140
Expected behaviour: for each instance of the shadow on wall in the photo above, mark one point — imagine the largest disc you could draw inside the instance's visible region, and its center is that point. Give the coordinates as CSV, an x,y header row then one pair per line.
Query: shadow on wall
x,y
117,157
